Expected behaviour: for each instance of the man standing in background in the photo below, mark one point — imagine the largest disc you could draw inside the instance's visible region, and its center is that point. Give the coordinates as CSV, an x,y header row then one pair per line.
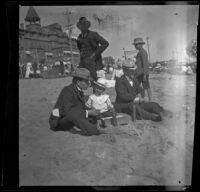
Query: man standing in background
x,y
90,45
142,66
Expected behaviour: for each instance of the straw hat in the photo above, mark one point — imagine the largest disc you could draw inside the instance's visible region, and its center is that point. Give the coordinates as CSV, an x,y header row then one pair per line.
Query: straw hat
x,y
138,40
99,85
82,73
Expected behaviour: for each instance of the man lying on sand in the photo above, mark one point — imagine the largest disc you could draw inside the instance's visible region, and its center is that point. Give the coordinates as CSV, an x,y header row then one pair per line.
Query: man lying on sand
x,y
129,91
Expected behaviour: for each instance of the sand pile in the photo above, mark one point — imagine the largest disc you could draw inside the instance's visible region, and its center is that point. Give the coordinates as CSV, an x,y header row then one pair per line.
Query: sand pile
x,y
143,153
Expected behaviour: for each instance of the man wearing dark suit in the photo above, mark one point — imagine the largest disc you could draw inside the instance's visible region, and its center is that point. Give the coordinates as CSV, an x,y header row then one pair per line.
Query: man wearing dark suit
x,y
142,66
70,109
90,45
129,91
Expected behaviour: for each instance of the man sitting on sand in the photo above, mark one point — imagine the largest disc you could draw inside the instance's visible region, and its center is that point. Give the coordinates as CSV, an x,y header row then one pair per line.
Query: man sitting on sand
x,y
70,109
129,91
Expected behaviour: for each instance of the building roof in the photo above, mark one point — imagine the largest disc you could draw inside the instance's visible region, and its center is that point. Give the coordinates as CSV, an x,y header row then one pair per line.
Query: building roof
x,y
32,15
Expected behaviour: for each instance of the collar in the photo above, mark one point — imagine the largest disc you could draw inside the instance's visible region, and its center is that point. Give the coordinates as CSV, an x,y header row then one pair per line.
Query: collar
x,y
79,89
128,78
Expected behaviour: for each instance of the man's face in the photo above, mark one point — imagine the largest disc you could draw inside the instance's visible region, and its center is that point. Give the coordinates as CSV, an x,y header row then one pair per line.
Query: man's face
x,y
129,73
138,46
83,84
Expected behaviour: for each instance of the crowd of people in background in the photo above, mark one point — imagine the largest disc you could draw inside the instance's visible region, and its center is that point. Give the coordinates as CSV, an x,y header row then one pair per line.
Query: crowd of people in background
x,y
35,69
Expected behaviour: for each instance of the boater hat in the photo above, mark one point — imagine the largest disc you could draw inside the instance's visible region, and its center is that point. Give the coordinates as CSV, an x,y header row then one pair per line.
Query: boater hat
x,y
82,73
83,22
99,85
138,41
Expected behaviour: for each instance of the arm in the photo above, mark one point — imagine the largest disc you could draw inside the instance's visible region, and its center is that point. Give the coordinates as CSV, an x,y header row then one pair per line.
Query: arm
x,y
145,64
78,44
122,92
89,103
109,104
103,43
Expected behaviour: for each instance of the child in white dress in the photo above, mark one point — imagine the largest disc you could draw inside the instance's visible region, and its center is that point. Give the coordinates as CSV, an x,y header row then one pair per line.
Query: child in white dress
x,y
100,101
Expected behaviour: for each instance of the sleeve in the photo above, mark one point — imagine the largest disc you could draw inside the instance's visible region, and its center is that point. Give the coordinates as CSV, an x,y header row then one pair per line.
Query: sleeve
x,y
122,93
145,64
103,43
67,100
78,44
109,104
89,103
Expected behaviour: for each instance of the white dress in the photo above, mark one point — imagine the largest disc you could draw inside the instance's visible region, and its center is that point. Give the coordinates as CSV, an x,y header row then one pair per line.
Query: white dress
x,y
101,102
28,70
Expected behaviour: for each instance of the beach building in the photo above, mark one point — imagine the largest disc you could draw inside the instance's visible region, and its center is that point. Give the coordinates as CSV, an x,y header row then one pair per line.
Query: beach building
x,y
45,44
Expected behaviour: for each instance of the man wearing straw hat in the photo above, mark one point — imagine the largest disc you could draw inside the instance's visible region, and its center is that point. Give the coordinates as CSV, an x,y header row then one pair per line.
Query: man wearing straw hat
x,y
143,66
129,91
70,109
90,45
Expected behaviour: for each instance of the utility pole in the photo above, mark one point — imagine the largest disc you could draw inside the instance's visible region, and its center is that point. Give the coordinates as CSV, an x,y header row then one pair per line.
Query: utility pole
x,y
148,48
124,54
69,27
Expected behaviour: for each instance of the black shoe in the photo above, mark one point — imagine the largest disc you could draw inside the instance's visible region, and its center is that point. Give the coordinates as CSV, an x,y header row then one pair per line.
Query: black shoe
x,y
156,117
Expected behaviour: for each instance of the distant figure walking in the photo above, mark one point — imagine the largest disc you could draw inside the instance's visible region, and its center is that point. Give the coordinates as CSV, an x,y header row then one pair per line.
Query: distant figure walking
x,y
28,70
143,66
90,45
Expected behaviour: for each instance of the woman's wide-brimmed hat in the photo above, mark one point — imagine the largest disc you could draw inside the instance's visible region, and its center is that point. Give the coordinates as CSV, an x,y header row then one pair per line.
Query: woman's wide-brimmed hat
x,y
129,64
99,86
83,23
82,73
138,40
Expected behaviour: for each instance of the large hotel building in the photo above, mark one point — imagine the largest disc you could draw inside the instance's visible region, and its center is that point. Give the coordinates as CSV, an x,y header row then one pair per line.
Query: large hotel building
x,y
45,44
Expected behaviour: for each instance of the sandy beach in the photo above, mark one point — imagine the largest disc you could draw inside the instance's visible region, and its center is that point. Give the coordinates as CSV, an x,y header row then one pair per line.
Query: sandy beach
x,y
141,153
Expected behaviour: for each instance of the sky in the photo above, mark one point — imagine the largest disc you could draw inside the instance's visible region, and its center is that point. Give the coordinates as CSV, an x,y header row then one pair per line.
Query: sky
x,y
170,28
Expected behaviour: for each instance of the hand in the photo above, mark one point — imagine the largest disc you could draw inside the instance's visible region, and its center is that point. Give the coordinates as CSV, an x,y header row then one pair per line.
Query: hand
x,y
93,112
136,100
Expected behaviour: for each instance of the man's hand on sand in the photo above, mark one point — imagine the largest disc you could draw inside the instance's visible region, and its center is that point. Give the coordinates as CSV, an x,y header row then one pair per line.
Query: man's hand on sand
x,y
93,112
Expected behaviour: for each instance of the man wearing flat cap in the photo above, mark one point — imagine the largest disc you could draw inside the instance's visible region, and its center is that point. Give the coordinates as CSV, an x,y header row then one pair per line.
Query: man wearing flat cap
x,y
143,66
129,92
70,109
90,45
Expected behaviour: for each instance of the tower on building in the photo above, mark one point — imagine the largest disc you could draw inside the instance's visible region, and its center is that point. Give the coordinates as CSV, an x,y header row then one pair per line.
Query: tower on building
x,y
32,19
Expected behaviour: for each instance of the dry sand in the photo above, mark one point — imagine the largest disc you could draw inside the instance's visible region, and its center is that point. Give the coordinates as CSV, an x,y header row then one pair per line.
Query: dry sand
x,y
143,153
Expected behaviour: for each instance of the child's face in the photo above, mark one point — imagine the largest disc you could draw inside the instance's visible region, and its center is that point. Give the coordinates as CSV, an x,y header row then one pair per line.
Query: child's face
x,y
98,91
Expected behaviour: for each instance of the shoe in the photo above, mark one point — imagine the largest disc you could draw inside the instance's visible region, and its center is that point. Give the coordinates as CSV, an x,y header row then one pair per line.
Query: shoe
x,y
156,117
167,113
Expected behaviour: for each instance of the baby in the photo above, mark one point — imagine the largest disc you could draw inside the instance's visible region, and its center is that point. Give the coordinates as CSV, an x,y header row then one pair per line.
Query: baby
x,y
100,101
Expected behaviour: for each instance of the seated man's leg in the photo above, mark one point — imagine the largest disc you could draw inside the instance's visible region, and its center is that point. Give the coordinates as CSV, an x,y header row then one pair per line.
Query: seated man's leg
x,y
146,115
140,112
152,107
79,120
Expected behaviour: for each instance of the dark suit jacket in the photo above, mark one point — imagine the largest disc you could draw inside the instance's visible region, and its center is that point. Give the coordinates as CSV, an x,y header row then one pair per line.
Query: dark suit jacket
x,y
142,62
92,43
125,92
69,98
